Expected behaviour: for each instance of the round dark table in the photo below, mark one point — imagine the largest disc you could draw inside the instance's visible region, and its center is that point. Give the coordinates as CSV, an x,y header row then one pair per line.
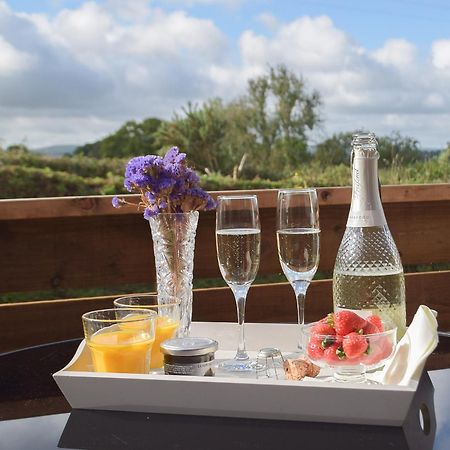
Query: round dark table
x,y
35,416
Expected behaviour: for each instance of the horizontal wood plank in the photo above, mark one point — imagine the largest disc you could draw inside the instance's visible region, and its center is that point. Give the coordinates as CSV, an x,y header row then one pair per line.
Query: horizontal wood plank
x,y
96,252
100,205
26,324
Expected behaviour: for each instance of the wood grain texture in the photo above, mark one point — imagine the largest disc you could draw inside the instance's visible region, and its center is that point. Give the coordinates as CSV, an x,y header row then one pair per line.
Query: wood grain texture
x,y
56,207
32,323
110,251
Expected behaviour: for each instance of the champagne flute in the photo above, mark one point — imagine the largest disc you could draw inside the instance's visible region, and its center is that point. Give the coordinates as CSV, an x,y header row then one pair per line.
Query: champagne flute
x,y
238,238
298,241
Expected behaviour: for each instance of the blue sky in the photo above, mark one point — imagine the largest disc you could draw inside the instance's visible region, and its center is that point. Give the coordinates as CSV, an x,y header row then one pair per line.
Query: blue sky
x,y
72,71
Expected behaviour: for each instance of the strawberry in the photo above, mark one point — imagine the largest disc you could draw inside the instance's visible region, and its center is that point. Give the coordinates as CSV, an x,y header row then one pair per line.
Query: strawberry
x,y
346,322
323,329
374,355
370,328
375,351
333,354
386,347
376,320
314,348
354,345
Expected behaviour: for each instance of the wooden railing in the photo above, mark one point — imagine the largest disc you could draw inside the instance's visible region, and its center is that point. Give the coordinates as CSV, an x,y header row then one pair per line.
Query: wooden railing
x,y
56,244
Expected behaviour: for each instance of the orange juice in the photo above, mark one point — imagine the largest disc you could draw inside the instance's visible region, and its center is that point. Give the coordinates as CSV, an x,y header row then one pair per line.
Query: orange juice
x,y
165,329
121,350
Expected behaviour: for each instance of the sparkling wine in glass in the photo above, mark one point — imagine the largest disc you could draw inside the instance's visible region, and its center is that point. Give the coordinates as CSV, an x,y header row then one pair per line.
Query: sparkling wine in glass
x,y
238,238
298,233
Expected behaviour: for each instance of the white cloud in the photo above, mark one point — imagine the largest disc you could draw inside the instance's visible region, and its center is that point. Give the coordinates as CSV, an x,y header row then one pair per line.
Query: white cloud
x,y
78,75
45,128
384,90
90,64
133,10
269,21
440,52
12,60
396,52
190,3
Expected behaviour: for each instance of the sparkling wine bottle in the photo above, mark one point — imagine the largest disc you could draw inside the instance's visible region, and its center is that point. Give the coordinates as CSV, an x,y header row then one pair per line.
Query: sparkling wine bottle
x,y
368,274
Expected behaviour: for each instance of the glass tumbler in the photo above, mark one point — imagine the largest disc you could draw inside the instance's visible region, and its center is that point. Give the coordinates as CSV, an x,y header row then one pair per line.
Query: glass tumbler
x,y
167,320
120,340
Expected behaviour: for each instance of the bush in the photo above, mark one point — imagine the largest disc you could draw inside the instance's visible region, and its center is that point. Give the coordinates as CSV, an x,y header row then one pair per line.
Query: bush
x,y
26,174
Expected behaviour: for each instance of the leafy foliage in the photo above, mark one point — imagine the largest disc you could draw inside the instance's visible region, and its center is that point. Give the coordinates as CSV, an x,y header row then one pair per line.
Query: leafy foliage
x,y
261,133
26,174
334,150
132,139
396,149
259,140
203,133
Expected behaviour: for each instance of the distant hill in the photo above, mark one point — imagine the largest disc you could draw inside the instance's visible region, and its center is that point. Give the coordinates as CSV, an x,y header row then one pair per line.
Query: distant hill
x,y
55,150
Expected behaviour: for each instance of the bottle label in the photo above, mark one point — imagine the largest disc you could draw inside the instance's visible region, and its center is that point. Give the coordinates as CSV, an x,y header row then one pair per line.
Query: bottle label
x,y
366,218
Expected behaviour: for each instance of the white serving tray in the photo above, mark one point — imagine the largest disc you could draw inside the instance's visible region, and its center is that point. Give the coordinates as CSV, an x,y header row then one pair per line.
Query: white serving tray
x,y
308,400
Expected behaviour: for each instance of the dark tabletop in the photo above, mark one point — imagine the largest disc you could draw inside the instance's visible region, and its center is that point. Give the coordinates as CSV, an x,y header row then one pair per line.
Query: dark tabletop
x,y
35,416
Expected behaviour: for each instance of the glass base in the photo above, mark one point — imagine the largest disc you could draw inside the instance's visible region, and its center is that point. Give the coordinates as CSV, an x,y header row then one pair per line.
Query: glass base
x,y
295,354
351,375
239,365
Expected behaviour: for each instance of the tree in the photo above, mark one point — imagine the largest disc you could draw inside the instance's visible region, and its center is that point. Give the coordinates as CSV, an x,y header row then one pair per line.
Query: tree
x,y
280,112
18,148
203,133
131,139
444,156
262,133
334,150
397,149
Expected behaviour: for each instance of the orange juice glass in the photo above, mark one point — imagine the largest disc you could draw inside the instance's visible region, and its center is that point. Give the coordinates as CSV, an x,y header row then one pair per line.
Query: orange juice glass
x,y
120,340
167,322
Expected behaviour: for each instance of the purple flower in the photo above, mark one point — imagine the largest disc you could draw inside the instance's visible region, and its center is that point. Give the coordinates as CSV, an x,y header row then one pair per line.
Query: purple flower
x,y
116,202
192,177
165,184
210,204
151,211
173,156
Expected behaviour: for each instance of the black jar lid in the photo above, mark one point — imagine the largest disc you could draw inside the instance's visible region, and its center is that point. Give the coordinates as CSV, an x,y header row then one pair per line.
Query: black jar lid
x,y
189,346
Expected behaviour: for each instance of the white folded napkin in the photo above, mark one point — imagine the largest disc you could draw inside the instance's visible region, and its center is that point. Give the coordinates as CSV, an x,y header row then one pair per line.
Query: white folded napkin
x,y
412,351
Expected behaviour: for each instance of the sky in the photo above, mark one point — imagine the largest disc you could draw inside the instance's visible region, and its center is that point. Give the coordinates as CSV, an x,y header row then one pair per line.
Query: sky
x,y
73,71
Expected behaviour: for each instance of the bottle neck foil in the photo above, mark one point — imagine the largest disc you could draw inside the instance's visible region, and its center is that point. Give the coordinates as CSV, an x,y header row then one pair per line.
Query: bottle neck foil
x,y
366,209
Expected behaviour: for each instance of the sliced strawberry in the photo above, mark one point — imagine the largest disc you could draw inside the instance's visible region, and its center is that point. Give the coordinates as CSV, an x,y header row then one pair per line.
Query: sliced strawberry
x,y
323,329
333,354
376,320
354,345
346,322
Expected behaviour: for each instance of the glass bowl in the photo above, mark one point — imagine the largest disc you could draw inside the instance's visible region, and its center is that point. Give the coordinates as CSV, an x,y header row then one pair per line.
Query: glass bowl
x,y
350,356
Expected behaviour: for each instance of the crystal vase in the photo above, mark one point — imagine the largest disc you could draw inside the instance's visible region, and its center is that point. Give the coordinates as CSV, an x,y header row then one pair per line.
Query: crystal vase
x,y
173,244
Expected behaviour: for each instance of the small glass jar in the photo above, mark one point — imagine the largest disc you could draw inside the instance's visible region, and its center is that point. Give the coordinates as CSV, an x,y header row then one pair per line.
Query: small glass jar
x,y
189,356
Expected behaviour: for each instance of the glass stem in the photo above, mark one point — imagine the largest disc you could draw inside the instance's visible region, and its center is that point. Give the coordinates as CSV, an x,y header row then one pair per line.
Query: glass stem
x,y
240,297
300,288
